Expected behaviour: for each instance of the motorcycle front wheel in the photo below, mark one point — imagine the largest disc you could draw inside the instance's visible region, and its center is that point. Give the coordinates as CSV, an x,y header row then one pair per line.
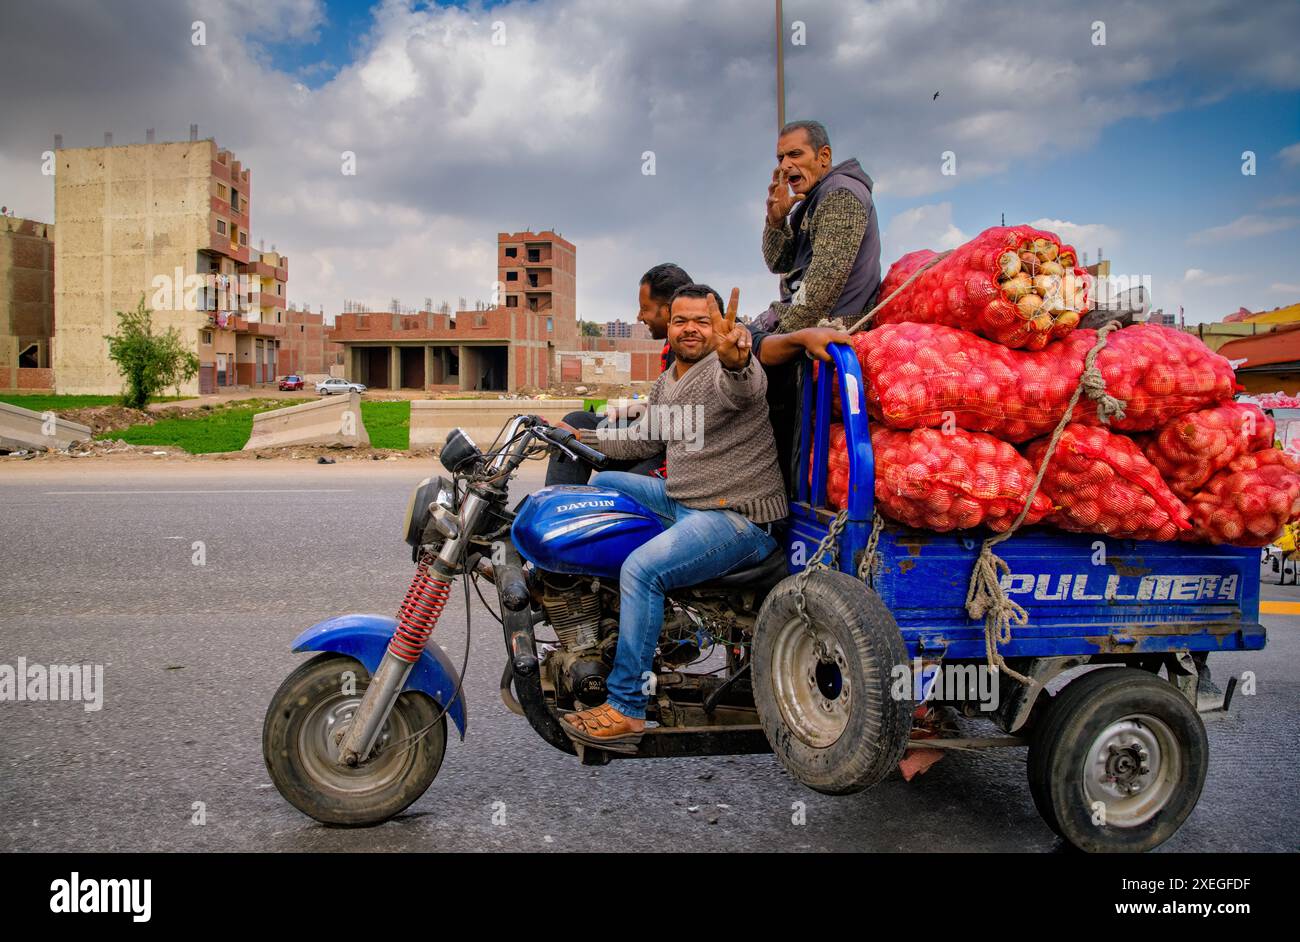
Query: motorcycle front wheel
x,y
300,745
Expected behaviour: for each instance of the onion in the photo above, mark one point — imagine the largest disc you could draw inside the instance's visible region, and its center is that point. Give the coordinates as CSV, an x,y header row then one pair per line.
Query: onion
x,y
1067,320
1009,262
1029,262
1017,287
1042,323
1047,285
1052,268
1029,305
1066,259
1046,250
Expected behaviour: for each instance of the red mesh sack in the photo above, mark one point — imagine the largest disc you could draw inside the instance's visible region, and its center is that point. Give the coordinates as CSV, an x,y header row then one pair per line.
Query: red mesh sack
x,y
1250,501
1192,448
1160,373
940,482
916,372
1100,482
1016,285
902,269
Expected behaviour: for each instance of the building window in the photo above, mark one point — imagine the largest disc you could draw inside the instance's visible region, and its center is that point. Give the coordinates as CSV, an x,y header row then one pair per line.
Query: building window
x,y
207,338
550,324
243,238
512,276
512,300
221,226
222,192
534,255
512,253
234,200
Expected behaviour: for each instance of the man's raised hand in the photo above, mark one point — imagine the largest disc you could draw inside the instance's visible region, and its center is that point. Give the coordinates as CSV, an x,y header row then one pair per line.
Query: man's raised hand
x,y
779,199
733,340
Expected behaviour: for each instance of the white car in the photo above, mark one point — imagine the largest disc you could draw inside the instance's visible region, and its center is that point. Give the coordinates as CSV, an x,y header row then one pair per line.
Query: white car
x,y
329,387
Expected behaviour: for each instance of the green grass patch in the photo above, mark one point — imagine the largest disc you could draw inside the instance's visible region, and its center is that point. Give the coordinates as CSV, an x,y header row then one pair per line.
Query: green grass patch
x,y
60,403
198,433
594,405
388,423
226,428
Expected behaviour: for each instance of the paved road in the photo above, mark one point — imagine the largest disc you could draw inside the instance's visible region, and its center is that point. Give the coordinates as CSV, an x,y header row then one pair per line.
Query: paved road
x,y
96,567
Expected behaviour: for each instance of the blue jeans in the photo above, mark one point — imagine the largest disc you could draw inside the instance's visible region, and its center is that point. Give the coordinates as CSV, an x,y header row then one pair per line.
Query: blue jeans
x,y
697,546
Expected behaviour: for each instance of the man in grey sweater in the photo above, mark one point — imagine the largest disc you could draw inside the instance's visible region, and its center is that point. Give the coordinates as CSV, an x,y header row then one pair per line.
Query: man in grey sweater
x,y
709,412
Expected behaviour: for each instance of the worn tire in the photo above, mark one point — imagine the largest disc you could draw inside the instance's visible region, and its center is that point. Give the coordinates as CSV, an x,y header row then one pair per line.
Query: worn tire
x,y
1105,721
836,729
295,731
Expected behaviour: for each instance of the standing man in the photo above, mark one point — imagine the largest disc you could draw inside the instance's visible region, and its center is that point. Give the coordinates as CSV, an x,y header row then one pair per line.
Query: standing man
x,y
821,235
654,300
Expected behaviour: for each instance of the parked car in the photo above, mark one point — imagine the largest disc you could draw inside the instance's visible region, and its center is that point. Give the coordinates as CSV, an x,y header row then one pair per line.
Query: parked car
x,y
291,382
334,385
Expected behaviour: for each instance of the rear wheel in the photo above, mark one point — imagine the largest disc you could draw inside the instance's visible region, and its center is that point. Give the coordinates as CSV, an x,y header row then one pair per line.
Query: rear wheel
x,y
835,724
1118,762
300,745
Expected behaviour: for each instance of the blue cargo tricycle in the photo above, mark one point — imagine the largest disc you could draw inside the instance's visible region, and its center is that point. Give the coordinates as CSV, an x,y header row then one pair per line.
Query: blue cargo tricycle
x,y
836,653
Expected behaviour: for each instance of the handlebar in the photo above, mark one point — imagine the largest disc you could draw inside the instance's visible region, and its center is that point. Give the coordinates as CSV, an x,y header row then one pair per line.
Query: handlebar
x,y
569,442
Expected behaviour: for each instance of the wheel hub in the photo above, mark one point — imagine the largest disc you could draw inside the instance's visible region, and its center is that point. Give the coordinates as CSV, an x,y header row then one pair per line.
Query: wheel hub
x,y
815,696
319,739
1132,769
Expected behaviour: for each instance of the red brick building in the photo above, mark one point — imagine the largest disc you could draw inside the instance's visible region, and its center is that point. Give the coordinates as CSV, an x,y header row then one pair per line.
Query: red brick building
x,y
505,347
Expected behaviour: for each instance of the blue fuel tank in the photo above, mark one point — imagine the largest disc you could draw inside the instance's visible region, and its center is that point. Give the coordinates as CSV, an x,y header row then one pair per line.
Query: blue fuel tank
x,y
582,530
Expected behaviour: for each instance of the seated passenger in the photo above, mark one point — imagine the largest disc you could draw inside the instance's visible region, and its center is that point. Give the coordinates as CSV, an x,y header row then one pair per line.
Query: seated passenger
x,y
710,411
656,292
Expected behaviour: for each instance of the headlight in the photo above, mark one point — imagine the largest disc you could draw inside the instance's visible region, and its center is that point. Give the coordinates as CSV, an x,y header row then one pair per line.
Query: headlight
x,y
428,492
458,450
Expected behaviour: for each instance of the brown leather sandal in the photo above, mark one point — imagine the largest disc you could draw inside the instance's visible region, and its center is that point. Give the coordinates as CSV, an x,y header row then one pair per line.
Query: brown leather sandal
x,y
599,727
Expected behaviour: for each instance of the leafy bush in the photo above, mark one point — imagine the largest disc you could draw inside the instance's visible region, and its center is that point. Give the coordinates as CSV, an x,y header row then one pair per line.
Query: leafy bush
x,y
149,362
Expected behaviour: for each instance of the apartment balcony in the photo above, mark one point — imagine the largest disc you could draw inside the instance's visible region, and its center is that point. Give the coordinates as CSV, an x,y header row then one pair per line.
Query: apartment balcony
x,y
223,246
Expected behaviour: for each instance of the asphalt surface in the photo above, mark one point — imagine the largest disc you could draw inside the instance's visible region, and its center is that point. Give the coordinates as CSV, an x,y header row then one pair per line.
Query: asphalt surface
x,y
96,566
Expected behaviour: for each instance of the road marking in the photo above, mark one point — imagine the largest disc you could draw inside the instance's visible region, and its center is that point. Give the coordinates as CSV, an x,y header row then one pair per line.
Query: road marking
x,y
287,490
1279,608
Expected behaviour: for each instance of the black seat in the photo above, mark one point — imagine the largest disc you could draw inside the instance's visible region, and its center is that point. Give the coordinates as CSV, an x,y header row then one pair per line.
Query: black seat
x,y
762,575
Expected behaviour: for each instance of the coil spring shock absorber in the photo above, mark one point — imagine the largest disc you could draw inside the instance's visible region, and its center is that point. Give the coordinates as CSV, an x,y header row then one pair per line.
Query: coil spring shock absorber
x,y
419,613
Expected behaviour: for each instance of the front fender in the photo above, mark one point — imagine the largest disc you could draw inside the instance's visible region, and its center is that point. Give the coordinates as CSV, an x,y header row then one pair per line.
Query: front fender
x,y
365,637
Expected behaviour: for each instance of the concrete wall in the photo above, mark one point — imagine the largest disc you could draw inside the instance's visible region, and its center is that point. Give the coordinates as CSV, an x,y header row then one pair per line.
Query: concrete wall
x,y
482,419
332,420
22,428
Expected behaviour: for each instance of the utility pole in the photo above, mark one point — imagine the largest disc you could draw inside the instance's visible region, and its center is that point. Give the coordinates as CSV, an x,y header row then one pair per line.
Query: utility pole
x,y
780,68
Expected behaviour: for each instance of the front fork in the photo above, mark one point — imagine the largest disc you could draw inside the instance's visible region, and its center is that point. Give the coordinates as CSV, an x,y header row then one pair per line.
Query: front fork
x,y
416,620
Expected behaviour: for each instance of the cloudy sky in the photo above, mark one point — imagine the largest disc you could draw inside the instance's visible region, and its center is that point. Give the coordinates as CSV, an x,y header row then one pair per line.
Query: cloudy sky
x,y
468,119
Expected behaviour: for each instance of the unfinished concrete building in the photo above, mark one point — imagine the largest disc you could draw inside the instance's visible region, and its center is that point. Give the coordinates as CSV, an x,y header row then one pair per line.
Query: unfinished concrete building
x,y
26,303
169,222
503,348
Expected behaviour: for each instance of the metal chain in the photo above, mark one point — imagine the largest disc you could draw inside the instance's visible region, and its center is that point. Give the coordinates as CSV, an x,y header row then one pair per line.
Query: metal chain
x,y
829,546
870,558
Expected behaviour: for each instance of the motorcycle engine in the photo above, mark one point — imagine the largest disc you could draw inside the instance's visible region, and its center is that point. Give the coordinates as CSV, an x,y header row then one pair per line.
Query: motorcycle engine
x,y
582,662
572,609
